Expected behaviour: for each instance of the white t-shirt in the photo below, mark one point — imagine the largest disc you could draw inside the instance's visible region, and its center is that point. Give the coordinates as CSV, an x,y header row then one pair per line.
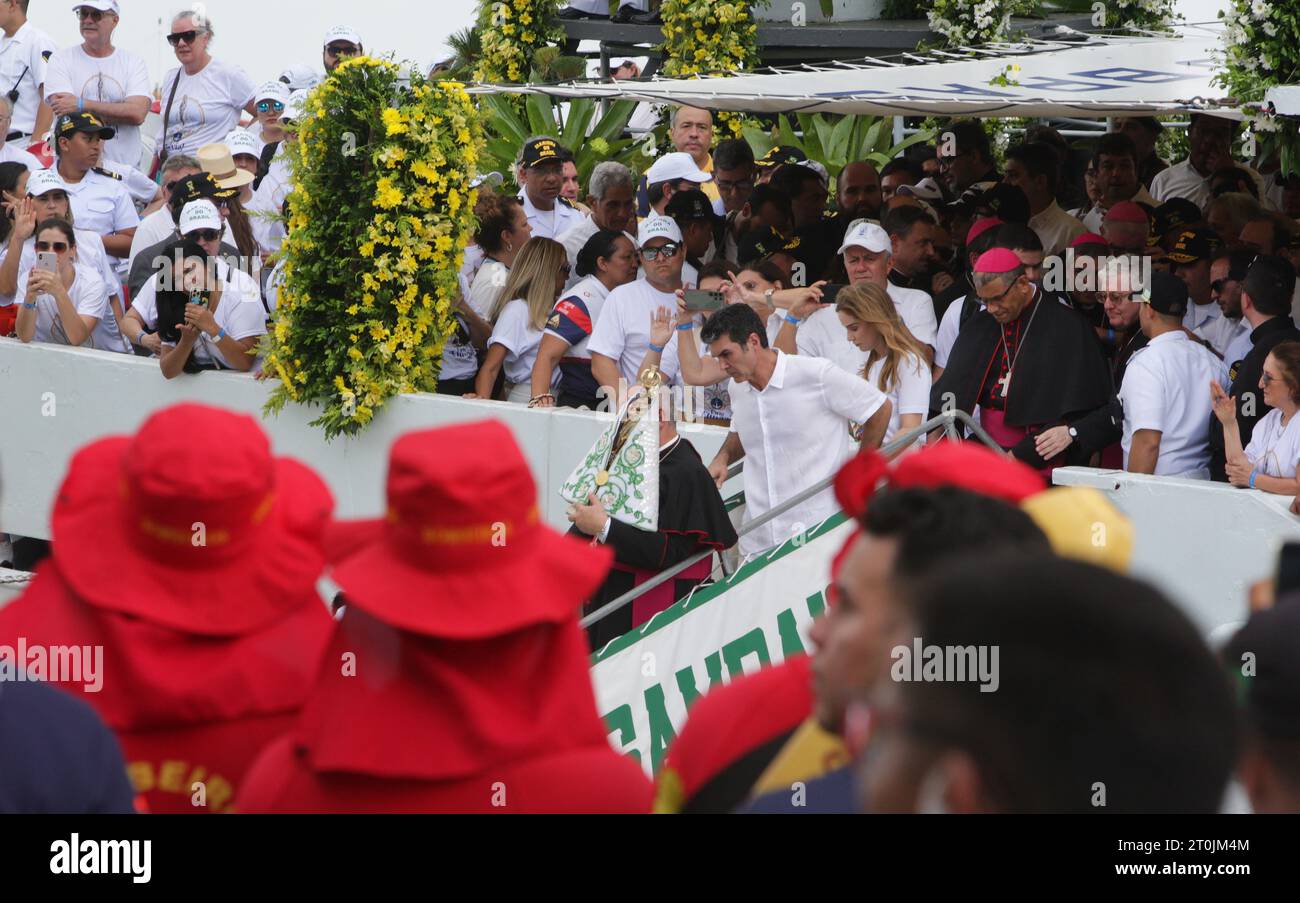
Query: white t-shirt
x,y
109,80
521,342
1167,388
90,254
623,331
488,283
1274,448
823,335
796,434
239,312
23,69
459,360
264,210
90,297
1183,181
910,393
949,329
12,154
207,105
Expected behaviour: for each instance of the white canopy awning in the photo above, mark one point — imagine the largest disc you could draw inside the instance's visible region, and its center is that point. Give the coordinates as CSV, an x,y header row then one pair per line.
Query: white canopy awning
x,y
1072,75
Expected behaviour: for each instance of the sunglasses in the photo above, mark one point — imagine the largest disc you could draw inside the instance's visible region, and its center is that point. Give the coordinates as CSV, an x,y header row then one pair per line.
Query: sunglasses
x,y
267,106
342,50
85,12
565,270
1220,284
204,235
58,247
187,36
667,252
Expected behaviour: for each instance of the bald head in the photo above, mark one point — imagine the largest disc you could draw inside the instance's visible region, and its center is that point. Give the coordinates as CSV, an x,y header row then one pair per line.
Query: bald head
x,y
857,193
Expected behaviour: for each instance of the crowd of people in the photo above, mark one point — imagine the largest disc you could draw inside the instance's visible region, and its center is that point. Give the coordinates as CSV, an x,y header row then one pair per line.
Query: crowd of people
x,y
1094,307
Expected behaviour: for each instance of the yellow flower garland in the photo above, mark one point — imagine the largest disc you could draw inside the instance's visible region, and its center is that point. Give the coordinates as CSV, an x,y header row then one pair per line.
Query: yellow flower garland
x,y
706,37
510,32
379,218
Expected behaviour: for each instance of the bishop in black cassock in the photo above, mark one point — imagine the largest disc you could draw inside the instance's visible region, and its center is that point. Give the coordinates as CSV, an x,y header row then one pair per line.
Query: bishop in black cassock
x,y
1027,362
692,519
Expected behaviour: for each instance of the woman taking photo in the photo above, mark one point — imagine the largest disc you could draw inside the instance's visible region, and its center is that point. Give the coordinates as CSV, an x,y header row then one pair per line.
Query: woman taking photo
x,y
896,361
1269,462
66,305
606,261
208,317
502,232
519,316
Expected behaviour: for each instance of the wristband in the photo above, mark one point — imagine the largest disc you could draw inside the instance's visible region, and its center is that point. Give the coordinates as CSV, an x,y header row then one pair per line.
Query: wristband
x,y
657,349
81,105
1253,474
221,335
792,320
686,327
29,306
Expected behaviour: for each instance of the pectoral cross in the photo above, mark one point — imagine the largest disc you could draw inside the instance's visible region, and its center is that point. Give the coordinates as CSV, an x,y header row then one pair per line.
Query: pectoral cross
x,y
1005,383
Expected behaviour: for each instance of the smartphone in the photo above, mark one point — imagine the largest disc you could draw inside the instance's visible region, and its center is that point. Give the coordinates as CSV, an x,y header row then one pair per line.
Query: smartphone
x,y
47,261
1288,569
829,293
704,301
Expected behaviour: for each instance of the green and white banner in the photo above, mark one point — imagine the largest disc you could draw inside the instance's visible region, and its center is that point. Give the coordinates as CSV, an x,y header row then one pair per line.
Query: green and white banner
x,y
645,681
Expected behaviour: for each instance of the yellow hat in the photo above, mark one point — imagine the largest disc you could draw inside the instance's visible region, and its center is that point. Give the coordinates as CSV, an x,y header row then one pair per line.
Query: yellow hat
x,y
1081,523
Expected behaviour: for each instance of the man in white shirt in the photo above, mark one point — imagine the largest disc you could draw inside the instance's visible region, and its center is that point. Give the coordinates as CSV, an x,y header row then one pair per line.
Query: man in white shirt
x,y
791,422
621,338
1191,255
1230,334
25,51
1166,390
540,171
612,199
96,77
1209,149
99,200
867,252
1115,161
10,152
1033,168
203,98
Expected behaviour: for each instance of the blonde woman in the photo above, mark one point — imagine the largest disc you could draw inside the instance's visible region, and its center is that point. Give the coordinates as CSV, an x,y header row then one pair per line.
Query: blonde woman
x,y
896,361
518,319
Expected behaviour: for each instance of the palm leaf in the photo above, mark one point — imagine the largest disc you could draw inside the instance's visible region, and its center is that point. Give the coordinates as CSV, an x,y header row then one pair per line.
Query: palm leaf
x,y
760,142
612,124
541,114
575,129
504,119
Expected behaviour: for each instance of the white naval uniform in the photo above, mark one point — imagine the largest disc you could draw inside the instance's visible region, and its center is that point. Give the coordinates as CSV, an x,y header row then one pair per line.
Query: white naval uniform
x,y
551,223
23,61
102,204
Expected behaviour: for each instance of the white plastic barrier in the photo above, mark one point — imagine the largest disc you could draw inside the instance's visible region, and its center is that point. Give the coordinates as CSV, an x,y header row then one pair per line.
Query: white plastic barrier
x,y
1202,543
56,399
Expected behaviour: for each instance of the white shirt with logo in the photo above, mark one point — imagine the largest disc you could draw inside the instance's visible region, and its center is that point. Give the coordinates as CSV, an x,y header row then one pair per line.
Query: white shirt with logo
x,y
521,341
207,106
89,296
623,331
109,80
240,311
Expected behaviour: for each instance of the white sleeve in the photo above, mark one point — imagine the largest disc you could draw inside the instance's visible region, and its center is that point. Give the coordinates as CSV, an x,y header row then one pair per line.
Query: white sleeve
x,y
805,339
852,397
510,328
949,329
1158,185
124,213
1255,450
247,316
919,318
145,303
608,337
57,78
138,83
1143,397
90,295
241,87
914,385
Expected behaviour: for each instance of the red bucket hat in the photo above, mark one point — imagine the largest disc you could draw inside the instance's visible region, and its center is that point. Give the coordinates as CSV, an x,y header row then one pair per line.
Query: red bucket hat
x,y
962,465
463,552
192,524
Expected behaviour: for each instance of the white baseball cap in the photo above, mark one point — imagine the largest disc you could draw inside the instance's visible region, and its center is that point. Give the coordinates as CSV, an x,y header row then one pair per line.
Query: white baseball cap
x,y
296,106
300,78
817,168
867,235
671,167
276,90
242,141
200,214
104,6
925,190
656,226
43,181
342,33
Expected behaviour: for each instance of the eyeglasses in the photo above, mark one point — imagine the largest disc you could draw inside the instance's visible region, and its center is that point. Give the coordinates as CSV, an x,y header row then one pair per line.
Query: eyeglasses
x,y
342,50
204,235
565,270
267,106
1218,285
1265,378
667,252
58,247
729,187
996,298
187,36
85,12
